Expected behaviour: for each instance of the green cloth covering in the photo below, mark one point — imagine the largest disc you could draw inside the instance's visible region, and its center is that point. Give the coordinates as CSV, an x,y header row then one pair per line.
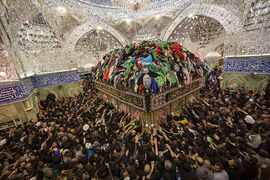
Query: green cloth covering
x,y
172,78
153,68
163,44
154,54
161,80
184,63
129,49
162,70
128,66
165,68
136,53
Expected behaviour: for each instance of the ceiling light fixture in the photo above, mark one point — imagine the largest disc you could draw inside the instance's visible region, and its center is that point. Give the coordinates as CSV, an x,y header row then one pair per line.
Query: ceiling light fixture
x,y
62,10
3,73
128,21
191,15
99,28
157,17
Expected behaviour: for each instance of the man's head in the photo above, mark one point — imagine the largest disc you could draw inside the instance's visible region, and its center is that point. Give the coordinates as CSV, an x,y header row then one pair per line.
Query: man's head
x,y
147,168
199,160
218,167
207,163
168,165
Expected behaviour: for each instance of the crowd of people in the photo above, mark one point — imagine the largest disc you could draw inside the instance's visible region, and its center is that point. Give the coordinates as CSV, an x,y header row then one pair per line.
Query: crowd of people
x,y
224,135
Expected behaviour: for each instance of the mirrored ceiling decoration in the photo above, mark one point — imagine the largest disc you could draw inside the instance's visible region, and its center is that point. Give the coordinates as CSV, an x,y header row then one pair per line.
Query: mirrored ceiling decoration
x,y
37,36
201,30
65,22
125,4
220,48
152,29
158,23
7,69
98,40
99,2
255,42
258,16
131,4
122,9
146,34
7,3
233,5
40,20
129,28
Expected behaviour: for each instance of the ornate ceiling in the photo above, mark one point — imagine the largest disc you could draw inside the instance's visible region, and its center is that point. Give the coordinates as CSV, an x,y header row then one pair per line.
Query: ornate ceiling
x,y
37,36
127,4
258,16
7,70
199,32
50,34
97,40
129,28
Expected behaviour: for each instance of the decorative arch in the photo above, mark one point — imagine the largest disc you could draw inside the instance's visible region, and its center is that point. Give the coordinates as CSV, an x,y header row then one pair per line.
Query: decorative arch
x,y
73,37
238,80
229,21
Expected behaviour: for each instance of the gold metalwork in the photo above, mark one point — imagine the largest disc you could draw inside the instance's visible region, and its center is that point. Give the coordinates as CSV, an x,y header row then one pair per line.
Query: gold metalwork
x,y
122,95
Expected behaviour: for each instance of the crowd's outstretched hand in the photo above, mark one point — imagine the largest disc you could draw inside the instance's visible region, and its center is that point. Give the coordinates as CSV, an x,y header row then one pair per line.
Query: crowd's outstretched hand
x,y
224,135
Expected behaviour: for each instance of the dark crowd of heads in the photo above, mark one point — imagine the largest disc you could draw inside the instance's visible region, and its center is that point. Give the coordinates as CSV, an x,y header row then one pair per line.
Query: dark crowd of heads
x,y
223,135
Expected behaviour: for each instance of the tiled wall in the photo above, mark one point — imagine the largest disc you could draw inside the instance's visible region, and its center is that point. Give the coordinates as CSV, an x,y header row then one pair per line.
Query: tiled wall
x,y
252,73
22,89
249,64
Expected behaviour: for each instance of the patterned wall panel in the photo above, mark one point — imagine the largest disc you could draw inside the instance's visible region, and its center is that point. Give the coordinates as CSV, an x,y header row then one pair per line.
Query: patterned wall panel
x,y
256,64
20,90
16,92
55,79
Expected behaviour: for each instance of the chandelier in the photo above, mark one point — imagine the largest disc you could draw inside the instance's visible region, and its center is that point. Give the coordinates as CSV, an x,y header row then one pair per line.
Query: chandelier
x,y
131,4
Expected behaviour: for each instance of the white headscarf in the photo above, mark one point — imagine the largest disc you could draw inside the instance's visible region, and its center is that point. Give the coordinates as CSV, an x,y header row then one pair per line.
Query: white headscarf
x,y
85,127
88,145
249,119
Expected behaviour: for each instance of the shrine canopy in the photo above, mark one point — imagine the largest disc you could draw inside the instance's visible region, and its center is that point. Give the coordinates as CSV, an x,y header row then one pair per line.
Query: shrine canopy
x,y
149,66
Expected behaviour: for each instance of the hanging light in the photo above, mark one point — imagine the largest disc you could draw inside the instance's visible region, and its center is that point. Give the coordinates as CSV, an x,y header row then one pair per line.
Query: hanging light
x,y
191,15
3,73
157,17
128,21
99,28
62,10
